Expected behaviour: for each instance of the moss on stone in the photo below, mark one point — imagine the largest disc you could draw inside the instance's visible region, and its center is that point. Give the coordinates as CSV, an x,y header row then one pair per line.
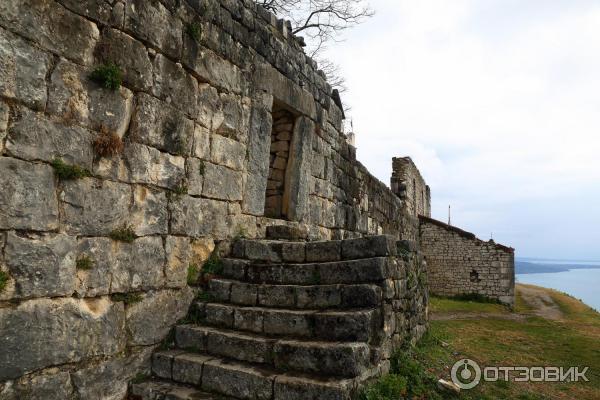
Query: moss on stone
x,y
3,280
127,298
67,172
194,30
84,262
123,234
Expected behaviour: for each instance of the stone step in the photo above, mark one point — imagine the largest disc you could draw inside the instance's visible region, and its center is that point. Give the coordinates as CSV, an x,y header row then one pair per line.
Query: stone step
x,y
368,270
277,251
248,381
360,325
168,390
345,359
294,296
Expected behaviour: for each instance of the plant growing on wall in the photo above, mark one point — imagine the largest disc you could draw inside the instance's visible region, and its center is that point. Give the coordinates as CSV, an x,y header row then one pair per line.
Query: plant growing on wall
x,y
108,75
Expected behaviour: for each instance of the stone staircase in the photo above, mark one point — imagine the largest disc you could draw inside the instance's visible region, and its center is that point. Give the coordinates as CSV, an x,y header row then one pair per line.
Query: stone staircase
x,y
285,320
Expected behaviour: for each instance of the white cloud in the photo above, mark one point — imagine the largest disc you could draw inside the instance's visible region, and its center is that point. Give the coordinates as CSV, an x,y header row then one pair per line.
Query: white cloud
x,y
497,102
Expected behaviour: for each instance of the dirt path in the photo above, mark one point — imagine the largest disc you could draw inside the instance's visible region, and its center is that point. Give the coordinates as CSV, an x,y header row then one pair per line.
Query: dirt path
x,y
446,316
540,301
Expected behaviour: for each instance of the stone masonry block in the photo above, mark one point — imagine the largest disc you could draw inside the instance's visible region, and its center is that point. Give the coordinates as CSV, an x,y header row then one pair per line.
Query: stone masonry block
x,y
45,332
368,246
28,196
197,217
222,183
51,26
23,70
227,152
41,265
148,165
174,85
149,214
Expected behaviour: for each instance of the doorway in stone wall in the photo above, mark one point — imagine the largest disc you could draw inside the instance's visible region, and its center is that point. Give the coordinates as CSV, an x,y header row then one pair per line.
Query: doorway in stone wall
x,y
277,195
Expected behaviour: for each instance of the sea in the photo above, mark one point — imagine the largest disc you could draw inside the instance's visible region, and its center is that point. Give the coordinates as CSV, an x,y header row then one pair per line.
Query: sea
x,y
580,279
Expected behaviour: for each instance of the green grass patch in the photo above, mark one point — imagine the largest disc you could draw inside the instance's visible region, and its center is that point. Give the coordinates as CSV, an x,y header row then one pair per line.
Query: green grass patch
x,y
388,387
127,298
65,171
194,30
446,304
3,280
193,273
108,75
214,265
84,262
123,234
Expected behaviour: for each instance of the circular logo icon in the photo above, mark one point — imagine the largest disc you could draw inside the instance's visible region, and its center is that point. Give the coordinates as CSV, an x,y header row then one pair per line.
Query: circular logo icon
x,y
466,374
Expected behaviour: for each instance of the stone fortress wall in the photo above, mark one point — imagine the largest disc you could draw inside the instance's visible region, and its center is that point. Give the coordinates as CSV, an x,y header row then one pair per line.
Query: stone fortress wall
x,y
95,247
108,196
459,263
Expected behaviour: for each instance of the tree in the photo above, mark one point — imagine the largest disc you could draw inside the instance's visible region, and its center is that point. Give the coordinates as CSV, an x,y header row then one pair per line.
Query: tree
x,y
321,22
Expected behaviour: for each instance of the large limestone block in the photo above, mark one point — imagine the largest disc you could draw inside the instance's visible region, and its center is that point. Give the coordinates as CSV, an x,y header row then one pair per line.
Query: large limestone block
x,y
41,265
259,142
23,70
129,54
222,183
41,333
295,197
195,170
51,26
120,267
198,217
32,136
209,106
108,380
49,385
152,22
149,320
95,207
158,125
174,85
148,165
227,152
28,196
74,97
178,251
212,68
149,213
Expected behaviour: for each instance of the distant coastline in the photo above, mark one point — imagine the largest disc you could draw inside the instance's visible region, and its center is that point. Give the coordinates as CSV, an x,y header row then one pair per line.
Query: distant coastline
x,y
537,266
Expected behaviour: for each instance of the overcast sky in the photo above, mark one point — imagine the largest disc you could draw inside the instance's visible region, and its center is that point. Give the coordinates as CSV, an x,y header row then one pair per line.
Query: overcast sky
x,y
498,104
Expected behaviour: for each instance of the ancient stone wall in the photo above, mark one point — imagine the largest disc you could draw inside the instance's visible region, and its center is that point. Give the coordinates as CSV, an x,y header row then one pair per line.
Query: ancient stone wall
x,y
459,263
409,185
110,192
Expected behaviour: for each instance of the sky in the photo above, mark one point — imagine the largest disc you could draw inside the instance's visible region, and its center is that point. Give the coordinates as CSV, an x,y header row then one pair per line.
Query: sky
x,y
498,104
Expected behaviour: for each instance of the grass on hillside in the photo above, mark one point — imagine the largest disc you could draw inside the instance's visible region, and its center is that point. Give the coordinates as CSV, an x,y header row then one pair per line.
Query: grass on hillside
x,y
532,341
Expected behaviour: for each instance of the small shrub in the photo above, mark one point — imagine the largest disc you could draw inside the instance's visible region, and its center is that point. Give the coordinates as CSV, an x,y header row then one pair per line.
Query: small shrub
x,y
169,341
67,172
193,274
139,377
107,143
123,234
108,75
3,280
194,30
213,265
181,190
84,262
127,298
242,233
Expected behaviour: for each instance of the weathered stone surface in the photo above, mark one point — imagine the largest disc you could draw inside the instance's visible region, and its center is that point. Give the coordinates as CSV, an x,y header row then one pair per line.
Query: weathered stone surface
x,y
149,320
369,246
222,183
201,142
152,22
75,98
28,196
323,251
212,68
187,368
236,380
296,388
130,55
138,265
95,207
201,249
109,380
49,385
159,125
149,214
97,279
197,217
41,265
97,10
42,333
33,137
296,198
244,293
209,112
195,171
23,70
178,259
227,152
52,26
4,113
148,165
174,85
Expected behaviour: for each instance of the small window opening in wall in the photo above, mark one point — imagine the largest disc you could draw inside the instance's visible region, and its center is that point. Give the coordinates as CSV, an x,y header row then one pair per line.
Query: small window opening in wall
x,y
475,276
276,201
